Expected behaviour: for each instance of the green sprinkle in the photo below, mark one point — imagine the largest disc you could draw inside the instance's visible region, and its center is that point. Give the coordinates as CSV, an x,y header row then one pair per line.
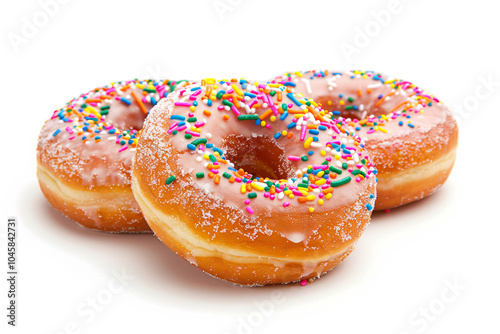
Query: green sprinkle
x,y
199,141
272,93
150,90
212,158
252,195
200,175
340,182
304,158
220,94
247,117
284,107
350,99
344,165
336,170
104,112
170,179
226,175
227,103
357,171
192,119
303,185
188,136
105,107
349,108
174,132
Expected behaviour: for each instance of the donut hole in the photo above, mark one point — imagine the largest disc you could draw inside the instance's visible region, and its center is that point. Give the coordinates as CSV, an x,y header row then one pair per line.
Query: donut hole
x,y
126,117
260,156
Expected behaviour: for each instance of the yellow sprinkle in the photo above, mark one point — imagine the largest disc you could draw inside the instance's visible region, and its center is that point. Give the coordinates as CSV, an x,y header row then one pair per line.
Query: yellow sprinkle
x,y
273,118
323,153
256,186
263,123
210,81
382,129
320,174
243,188
308,142
311,209
237,90
284,133
337,157
192,108
310,197
320,182
291,196
328,196
320,202
206,157
341,103
287,192
274,85
140,86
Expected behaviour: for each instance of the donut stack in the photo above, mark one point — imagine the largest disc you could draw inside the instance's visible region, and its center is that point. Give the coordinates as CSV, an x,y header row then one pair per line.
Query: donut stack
x,y
253,182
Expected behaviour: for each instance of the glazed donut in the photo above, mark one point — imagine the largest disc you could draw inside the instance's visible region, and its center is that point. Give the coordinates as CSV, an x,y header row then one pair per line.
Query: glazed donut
x,y
410,134
252,183
85,150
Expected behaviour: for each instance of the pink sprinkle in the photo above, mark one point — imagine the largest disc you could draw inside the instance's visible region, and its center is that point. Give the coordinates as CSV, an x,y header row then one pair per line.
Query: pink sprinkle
x,y
328,158
370,131
181,128
199,124
236,111
303,282
358,179
247,201
221,107
72,137
320,195
69,130
266,194
387,210
250,210
303,132
286,204
123,148
196,134
182,104
272,197
268,126
293,158
173,125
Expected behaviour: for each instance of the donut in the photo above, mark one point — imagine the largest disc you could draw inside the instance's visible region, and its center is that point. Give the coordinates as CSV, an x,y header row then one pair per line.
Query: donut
x,y
411,135
252,183
85,151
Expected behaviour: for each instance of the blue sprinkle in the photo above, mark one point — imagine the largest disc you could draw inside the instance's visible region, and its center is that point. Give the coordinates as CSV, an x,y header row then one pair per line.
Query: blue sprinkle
x,y
358,128
179,117
216,149
315,138
209,145
166,94
336,112
310,153
130,141
314,132
250,95
411,125
126,101
232,169
288,83
257,121
341,95
371,196
322,127
195,88
195,103
181,123
284,116
277,135
369,207
153,101
209,103
291,125
400,123
112,131
294,100
56,132
346,151
355,107
191,147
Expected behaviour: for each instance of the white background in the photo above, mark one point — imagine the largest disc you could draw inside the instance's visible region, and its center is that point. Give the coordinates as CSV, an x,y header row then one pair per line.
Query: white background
x,y
405,261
